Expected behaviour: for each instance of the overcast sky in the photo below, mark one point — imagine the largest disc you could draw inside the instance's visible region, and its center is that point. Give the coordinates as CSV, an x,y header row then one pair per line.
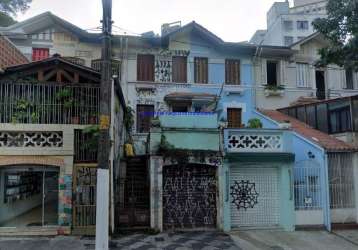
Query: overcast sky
x,y
232,20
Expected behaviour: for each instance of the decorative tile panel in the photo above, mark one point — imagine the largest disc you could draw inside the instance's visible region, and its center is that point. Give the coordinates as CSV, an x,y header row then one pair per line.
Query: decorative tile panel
x,y
31,139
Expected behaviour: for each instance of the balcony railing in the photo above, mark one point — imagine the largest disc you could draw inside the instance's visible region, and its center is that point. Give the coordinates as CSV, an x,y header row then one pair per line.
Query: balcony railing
x,y
201,120
49,103
250,140
116,67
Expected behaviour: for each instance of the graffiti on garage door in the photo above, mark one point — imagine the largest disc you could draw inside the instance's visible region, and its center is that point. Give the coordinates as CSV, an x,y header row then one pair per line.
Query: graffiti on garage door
x,y
189,196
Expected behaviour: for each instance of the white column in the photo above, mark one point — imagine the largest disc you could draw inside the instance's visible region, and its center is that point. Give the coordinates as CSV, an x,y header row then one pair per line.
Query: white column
x,y
102,210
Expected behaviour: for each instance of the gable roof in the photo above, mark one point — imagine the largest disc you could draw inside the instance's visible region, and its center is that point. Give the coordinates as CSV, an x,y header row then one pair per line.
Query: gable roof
x,y
315,36
326,141
195,27
44,20
55,62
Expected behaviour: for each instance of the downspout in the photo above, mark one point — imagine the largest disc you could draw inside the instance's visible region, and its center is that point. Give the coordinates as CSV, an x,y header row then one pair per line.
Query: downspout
x,y
327,208
256,56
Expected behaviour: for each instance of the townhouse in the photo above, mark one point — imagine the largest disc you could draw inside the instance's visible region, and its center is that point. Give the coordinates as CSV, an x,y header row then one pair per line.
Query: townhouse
x,y
200,161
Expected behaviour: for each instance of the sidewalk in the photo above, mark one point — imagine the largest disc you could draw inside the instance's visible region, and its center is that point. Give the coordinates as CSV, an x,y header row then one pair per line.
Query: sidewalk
x,y
300,240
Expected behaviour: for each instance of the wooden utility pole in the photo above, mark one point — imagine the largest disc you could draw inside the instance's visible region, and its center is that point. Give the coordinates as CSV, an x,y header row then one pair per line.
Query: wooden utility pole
x,y
104,145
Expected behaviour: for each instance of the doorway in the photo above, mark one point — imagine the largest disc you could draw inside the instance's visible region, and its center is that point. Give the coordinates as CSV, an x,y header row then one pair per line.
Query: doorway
x,y
320,85
28,196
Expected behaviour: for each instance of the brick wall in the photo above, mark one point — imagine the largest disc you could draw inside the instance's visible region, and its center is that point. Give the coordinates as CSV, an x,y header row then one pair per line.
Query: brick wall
x,y
9,54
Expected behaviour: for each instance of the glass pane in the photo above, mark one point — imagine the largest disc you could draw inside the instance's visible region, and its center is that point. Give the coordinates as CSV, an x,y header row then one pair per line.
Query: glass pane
x,y
20,197
51,198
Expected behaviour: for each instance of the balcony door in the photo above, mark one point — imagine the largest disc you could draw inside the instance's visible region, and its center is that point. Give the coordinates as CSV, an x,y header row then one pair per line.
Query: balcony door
x,y
320,85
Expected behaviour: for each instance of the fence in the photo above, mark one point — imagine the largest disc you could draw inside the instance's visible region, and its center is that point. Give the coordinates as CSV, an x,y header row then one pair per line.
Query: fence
x,y
341,182
86,145
49,103
307,186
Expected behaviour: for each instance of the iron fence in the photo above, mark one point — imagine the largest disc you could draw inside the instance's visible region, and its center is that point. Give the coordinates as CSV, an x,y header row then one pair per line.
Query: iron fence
x,y
341,182
86,147
307,186
49,103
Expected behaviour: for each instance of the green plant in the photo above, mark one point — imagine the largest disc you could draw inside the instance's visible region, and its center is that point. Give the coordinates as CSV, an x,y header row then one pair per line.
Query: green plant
x,y
254,123
22,106
66,97
274,87
93,134
128,119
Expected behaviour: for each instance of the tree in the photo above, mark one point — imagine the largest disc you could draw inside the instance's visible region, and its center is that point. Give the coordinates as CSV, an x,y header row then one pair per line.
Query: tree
x,y
14,6
340,28
6,20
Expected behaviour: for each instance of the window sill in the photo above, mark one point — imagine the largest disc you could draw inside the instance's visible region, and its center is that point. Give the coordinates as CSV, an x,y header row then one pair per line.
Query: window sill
x,y
274,93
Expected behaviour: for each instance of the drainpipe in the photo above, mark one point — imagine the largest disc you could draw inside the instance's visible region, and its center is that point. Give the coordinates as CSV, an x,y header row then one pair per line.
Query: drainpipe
x,y
326,207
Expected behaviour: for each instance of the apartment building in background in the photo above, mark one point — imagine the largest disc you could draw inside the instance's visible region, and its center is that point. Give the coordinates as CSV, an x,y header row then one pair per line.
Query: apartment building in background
x,y
287,25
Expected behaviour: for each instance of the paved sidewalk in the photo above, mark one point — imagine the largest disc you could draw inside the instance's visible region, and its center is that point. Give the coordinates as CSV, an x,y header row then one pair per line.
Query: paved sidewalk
x,y
164,241
300,240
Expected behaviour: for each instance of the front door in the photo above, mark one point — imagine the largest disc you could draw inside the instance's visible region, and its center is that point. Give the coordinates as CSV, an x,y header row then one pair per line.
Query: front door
x,y
189,196
254,197
320,85
28,196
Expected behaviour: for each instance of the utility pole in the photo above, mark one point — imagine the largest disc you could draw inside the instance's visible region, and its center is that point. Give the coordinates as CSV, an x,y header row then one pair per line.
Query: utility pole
x,y
104,144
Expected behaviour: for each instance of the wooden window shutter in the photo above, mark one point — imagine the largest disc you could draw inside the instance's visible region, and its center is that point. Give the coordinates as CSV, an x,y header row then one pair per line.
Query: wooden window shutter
x,y
144,118
201,69
145,68
232,72
180,69
234,117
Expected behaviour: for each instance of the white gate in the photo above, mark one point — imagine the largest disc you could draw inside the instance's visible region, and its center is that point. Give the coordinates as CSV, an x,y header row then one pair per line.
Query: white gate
x,y
254,197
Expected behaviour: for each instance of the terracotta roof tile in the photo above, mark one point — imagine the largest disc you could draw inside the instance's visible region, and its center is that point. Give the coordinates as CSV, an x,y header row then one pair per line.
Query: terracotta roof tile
x,y
326,141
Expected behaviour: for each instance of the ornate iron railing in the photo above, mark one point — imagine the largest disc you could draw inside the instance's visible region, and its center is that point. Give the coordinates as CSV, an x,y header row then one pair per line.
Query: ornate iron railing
x,y
49,103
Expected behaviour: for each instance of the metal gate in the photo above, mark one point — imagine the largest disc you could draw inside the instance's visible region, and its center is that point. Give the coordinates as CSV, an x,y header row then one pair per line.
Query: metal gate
x,y
134,207
254,195
84,199
189,196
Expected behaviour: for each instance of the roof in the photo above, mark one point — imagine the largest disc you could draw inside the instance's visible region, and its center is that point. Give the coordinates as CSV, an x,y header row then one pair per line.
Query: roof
x,y
195,27
44,20
183,96
9,54
317,35
329,143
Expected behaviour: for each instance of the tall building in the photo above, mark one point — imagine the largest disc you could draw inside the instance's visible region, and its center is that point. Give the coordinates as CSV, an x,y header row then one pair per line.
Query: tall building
x,y
287,25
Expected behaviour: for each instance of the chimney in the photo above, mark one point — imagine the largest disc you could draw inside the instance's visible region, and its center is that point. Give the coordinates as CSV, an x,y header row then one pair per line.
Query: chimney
x,y
170,27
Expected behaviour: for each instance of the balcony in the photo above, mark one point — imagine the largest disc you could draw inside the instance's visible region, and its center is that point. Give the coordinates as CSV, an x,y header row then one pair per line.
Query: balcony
x,y
253,141
189,120
49,103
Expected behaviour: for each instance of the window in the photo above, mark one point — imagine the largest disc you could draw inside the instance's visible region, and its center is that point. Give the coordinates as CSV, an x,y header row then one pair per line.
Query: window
x,y
145,114
288,40
180,69
40,54
180,107
302,25
145,68
302,71
232,71
234,116
272,73
288,25
300,38
201,69
340,120
349,79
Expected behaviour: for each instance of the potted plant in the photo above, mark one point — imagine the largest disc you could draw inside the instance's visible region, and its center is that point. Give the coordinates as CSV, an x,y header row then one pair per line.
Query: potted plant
x,y
20,112
273,90
65,96
254,123
93,118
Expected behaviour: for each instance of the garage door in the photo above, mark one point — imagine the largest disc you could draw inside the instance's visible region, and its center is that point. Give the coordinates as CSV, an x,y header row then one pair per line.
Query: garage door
x,y
189,196
254,197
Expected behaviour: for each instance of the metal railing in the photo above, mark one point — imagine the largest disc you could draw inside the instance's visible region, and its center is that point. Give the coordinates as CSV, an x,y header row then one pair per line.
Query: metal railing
x,y
341,182
49,103
85,147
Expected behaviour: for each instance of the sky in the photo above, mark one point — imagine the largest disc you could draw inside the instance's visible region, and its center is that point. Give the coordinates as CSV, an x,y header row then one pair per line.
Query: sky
x,y
232,20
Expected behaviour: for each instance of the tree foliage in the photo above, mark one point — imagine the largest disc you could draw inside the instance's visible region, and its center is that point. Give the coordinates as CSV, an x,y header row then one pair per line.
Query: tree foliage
x,y
340,28
6,20
14,6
